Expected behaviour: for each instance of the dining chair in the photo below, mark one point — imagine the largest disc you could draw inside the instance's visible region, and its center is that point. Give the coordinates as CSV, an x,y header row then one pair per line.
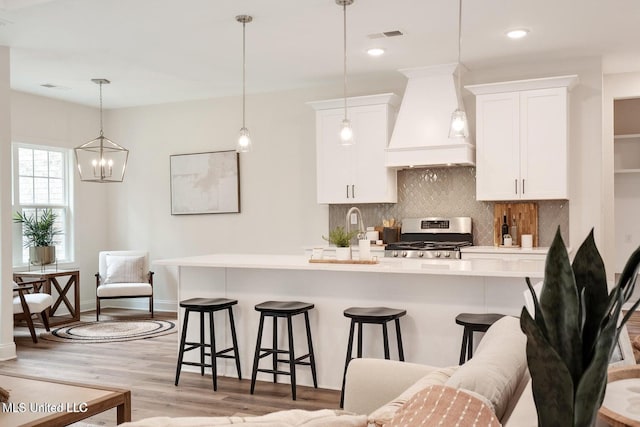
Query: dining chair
x,y
29,302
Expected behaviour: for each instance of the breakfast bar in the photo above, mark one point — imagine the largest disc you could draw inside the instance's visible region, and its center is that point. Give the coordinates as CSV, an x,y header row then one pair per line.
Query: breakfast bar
x,y
433,291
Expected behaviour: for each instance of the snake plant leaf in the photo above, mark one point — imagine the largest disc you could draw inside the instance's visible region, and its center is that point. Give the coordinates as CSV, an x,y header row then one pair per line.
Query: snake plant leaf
x,y
538,316
590,390
560,307
551,381
629,273
591,281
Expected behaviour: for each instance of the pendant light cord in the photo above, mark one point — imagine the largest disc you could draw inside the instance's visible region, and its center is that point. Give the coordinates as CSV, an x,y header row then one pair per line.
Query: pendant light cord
x,y
244,71
344,14
459,43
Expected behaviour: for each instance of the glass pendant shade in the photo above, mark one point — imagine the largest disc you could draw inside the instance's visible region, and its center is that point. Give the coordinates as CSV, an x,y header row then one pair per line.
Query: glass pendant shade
x,y
346,132
244,141
101,160
459,127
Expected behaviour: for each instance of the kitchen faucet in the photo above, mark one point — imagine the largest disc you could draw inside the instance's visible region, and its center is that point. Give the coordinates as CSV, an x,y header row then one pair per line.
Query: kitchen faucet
x,y
362,231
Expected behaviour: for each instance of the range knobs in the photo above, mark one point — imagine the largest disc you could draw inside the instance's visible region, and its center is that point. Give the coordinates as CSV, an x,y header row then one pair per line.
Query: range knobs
x,y
437,254
421,254
447,254
404,254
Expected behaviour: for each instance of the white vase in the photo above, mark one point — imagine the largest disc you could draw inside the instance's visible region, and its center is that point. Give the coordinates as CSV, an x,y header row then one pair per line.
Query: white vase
x,y
343,254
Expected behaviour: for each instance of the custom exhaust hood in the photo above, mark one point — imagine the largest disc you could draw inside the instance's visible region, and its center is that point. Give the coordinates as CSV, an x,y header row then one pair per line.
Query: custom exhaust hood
x,y
421,134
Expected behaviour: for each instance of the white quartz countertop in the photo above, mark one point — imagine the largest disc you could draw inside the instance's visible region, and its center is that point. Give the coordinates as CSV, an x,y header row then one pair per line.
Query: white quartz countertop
x,y
471,267
501,250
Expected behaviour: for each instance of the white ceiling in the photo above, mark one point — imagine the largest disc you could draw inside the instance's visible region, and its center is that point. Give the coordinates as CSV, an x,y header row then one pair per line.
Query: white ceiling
x,y
157,51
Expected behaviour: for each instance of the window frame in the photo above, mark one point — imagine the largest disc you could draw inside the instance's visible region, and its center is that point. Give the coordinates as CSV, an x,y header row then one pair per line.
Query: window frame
x,y
67,178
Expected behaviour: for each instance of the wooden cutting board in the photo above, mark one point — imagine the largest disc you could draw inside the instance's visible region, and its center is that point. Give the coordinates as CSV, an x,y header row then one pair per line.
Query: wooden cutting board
x,y
526,215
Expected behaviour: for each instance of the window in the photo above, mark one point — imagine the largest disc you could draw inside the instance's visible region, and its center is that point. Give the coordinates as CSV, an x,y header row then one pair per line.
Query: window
x,y
41,181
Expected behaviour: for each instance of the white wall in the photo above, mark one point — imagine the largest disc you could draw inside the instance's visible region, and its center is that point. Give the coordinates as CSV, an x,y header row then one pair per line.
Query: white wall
x,y
585,164
279,213
44,121
7,347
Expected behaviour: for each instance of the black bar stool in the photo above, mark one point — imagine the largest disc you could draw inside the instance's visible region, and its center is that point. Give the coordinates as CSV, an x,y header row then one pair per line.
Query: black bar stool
x,y
377,316
202,306
473,322
286,309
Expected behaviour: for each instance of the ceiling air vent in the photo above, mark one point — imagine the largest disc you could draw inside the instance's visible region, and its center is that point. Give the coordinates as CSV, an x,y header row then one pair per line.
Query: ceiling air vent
x,y
386,34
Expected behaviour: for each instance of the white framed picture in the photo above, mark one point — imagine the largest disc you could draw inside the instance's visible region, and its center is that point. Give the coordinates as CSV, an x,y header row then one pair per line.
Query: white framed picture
x,y
205,183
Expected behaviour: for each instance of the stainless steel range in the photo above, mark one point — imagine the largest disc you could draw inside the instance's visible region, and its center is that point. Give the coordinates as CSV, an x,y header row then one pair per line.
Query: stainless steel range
x,y
432,238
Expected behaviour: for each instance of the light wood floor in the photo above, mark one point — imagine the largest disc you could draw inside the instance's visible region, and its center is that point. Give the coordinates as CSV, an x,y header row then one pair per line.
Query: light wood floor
x,y
147,368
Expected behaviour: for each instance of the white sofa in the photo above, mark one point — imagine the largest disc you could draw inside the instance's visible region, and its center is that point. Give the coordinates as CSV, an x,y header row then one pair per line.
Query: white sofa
x,y
496,375
497,372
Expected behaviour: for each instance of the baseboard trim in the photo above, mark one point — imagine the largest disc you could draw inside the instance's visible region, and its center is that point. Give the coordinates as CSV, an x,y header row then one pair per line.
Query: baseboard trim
x,y
8,351
134,303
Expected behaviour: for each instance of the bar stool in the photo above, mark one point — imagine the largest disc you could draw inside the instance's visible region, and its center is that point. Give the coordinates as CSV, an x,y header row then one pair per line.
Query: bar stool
x,y
202,306
473,322
377,316
288,309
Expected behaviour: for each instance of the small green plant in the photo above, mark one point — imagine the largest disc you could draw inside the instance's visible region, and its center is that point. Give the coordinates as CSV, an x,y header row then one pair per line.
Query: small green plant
x,y
339,237
574,333
38,231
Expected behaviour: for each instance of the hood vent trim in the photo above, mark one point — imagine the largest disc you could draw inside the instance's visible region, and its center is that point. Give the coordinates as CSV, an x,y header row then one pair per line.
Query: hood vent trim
x,y
421,134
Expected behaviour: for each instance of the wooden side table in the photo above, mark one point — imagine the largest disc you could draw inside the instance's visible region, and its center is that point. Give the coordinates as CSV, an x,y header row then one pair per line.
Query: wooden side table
x,y
60,293
621,405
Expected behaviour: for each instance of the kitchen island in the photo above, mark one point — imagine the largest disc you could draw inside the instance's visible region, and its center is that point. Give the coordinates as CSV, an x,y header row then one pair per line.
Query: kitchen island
x,y
432,291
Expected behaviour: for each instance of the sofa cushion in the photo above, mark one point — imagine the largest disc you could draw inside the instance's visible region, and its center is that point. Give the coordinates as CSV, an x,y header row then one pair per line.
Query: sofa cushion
x,y
385,413
497,366
439,405
124,269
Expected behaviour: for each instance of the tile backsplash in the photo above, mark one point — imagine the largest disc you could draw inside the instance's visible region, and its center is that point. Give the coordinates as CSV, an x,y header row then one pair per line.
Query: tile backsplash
x,y
451,192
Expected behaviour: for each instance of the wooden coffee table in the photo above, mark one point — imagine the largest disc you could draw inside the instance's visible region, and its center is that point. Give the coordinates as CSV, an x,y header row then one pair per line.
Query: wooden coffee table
x,y
621,405
52,403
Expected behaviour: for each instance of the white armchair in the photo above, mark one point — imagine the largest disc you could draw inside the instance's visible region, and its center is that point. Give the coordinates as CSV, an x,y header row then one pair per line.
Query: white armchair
x,y
27,302
123,274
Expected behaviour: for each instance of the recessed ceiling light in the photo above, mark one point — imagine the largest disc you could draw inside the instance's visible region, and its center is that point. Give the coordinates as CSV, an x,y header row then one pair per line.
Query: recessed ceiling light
x,y
517,33
375,51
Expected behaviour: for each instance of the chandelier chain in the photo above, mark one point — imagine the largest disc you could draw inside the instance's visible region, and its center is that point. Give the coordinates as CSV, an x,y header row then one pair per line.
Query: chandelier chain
x,y
101,133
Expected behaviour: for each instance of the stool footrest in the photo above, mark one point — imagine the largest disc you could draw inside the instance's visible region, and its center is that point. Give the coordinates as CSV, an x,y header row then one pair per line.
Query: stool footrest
x,y
271,371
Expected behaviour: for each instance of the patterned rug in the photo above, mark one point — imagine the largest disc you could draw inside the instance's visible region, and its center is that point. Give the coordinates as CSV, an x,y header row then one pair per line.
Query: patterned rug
x,y
110,331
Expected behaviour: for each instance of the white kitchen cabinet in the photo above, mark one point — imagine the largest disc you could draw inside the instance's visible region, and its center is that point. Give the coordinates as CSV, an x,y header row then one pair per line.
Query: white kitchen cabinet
x,y
355,173
522,139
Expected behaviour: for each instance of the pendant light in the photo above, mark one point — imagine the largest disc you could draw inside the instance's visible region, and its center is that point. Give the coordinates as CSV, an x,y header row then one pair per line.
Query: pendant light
x,y
459,127
101,160
346,132
244,139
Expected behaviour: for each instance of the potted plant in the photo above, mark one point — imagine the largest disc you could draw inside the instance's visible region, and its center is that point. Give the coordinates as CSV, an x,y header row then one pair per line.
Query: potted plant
x,y
39,233
574,333
339,237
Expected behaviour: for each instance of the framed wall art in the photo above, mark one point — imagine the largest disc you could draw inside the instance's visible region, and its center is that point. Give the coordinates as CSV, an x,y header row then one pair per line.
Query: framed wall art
x,y
205,183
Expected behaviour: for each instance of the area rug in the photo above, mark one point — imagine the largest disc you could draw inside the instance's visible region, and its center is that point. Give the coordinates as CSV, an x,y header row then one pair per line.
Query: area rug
x,y
110,331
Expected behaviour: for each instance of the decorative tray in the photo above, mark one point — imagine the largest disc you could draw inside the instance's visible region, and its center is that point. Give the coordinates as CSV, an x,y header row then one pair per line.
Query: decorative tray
x,y
336,261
